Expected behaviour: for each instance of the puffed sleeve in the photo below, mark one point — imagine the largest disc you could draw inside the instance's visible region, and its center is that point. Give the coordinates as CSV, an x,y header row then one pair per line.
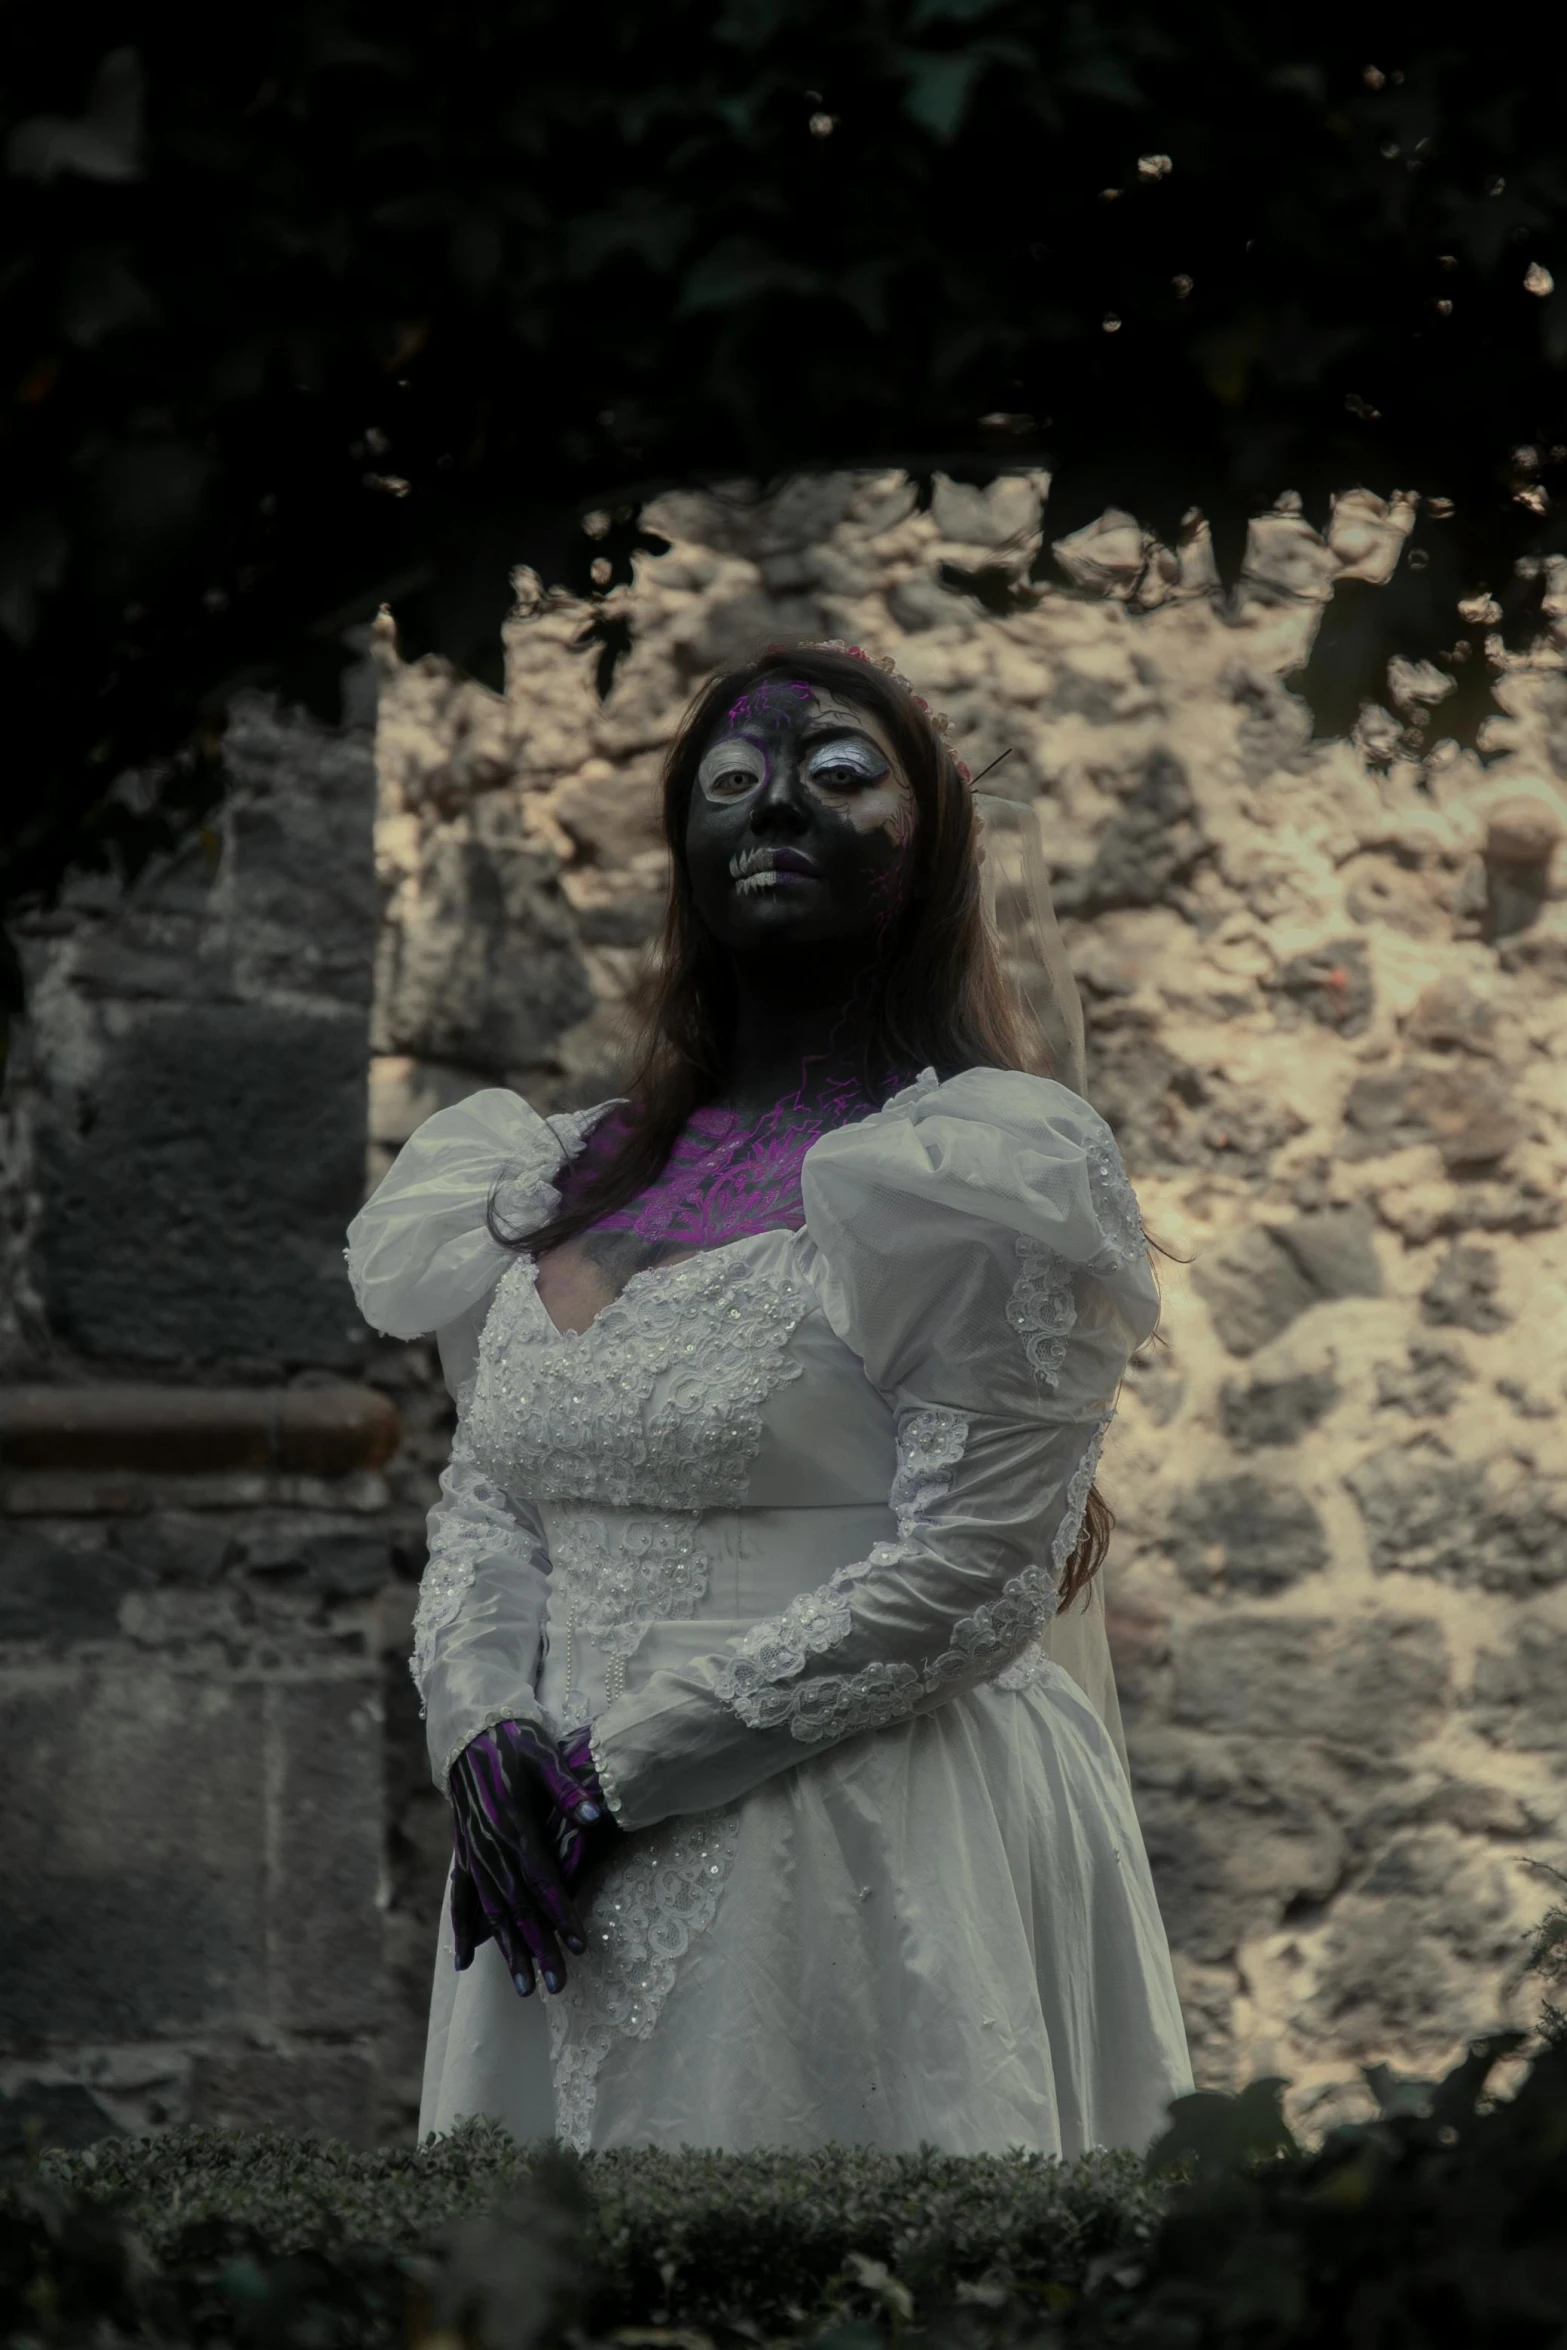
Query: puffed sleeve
x,y
421,1260
978,1246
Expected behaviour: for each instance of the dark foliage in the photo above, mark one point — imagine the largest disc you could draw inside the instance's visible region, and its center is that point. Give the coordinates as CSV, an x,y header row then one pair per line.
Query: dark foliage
x,y
1437,2222
201,2238
316,305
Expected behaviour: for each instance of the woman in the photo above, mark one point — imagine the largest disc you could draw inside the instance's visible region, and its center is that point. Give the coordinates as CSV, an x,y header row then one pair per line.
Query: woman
x,y
780,1388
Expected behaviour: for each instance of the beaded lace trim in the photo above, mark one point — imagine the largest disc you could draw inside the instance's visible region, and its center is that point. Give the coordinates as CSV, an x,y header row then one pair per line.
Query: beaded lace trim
x,y
1042,1309
641,1918
1025,1670
1115,1209
615,1585
656,1405
833,1706
930,1445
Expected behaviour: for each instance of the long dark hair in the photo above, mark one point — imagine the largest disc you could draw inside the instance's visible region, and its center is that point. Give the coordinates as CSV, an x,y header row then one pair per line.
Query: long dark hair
x,y
937,997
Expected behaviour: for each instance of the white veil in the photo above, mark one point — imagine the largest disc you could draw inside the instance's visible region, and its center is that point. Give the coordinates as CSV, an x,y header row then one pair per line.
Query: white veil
x,y
1022,919
1015,882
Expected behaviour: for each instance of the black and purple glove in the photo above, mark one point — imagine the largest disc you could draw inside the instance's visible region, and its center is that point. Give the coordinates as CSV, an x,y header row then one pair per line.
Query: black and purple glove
x,y
579,1841
512,1794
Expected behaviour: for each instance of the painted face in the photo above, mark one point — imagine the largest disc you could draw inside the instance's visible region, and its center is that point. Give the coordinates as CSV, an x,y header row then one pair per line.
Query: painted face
x,y
801,823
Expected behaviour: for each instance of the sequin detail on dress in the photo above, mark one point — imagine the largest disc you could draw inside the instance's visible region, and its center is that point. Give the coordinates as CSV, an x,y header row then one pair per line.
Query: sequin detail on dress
x,y
641,1920
656,1405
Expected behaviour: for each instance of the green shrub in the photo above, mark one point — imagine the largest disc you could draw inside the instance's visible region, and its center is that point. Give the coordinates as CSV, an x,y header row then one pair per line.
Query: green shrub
x,y
214,2238
1442,2221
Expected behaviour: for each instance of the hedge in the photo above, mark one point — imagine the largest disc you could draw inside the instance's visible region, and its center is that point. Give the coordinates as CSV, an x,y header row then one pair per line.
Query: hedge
x,y
1441,2221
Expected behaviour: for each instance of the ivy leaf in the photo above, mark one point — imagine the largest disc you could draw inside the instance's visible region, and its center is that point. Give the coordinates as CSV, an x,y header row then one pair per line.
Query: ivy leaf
x,y
949,12
1219,2133
105,143
939,89
739,270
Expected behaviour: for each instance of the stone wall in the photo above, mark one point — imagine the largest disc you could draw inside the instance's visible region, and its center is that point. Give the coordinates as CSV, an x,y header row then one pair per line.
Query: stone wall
x,y
1323,987
198,1663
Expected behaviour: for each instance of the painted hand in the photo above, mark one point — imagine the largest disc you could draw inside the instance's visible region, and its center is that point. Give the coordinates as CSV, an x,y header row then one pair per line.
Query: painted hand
x,y
580,1843
507,1786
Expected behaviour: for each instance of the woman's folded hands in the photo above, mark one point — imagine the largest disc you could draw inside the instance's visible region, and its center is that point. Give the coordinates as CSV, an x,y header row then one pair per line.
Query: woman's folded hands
x,y
528,1819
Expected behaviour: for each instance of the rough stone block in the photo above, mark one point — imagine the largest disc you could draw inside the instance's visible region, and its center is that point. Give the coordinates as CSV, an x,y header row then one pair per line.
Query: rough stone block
x,y
1147,848
339,1563
168,1548
1467,1110
1256,1282
50,1592
1427,1387
1246,1534
1236,1832
1335,1249
1334,984
194,1197
1275,1411
299,886
996,514
1448,1016
1410,1955
1166,1113
1251,1288
51,2113
483,967
1426,1515
307,2093
325,1810
1461,1294
1423,1513
1376,1683
135,1872
612,812
1520,1691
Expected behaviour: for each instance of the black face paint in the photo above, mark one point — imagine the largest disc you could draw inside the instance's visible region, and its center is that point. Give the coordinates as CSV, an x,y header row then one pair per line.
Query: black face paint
x,y
801,825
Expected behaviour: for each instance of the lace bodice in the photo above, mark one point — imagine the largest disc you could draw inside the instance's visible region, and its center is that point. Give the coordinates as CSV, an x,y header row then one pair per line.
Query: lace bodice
x,y
658,1402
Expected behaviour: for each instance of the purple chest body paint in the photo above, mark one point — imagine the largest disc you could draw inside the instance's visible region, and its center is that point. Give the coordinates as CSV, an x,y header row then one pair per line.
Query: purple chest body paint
x,y
728,1175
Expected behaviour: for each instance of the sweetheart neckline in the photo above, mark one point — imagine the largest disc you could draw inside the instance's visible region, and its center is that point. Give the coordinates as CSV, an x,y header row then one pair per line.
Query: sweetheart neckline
x,y
725,1248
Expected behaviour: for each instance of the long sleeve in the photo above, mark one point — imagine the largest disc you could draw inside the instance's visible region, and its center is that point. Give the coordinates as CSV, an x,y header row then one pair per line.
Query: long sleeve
x,y
982,1253
479,1625
421,1259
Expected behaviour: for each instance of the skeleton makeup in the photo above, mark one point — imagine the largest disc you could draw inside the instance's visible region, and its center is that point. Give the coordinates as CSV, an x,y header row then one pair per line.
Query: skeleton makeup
x,y
801,823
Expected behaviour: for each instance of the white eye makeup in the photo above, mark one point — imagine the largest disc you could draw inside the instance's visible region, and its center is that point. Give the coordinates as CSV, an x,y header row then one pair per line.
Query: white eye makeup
x,y
844,763
847,761
729,770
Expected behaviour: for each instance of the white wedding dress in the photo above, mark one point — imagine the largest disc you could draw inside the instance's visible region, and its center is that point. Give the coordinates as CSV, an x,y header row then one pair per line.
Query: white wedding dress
x,y
784,1523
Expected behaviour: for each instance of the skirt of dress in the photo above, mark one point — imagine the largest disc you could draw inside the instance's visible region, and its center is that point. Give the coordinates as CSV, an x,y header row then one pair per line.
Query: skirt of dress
x,y
941,1932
